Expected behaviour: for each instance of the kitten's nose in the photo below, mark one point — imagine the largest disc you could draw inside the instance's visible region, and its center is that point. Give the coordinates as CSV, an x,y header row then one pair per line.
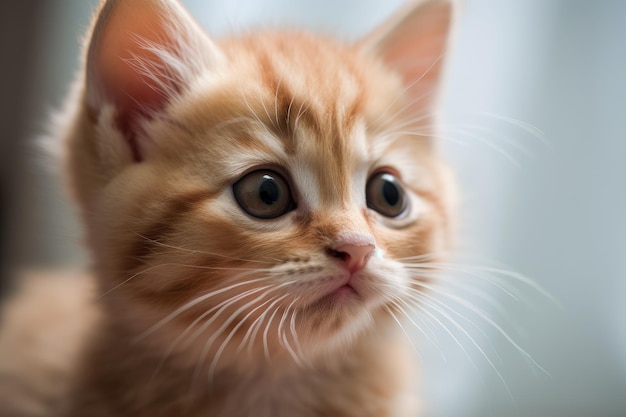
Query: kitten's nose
x,y
352,256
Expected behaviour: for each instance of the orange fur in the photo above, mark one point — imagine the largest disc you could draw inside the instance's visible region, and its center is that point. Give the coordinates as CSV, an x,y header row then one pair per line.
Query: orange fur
x,y
206,309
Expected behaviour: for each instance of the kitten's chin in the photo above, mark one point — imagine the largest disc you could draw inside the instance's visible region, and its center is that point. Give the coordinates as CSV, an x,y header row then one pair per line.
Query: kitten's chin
x,y
336,320
343,333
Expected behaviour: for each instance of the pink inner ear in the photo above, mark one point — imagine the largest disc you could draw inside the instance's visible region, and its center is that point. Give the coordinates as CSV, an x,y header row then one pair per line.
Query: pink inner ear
x,y
427,49
418,58
115,59
412,43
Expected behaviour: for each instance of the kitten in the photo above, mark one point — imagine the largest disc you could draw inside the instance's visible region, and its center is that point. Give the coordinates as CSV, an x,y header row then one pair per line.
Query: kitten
x,y
257,210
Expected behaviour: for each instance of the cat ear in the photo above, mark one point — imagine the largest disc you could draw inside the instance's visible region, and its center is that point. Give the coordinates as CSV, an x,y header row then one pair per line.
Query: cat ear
x,y
413,43
143,53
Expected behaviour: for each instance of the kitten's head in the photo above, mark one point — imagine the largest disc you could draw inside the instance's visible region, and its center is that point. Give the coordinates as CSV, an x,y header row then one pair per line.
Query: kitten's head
x,y
263,195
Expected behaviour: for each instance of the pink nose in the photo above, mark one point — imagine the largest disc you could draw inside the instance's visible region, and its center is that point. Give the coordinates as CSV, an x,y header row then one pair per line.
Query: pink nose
x,y
352,256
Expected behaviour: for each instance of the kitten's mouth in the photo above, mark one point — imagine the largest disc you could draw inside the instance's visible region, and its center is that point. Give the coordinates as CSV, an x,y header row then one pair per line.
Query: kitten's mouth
x,y
340,295
345,290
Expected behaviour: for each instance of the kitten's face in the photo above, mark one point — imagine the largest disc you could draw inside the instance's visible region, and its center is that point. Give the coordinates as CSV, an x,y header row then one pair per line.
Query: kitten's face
x,y
277,204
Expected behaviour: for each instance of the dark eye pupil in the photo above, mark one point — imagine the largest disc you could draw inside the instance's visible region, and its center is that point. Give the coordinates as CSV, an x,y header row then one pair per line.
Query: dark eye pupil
x,y
269,193
391,193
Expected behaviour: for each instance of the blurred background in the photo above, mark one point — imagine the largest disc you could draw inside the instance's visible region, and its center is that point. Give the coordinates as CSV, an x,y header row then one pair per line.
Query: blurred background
x,y
534,111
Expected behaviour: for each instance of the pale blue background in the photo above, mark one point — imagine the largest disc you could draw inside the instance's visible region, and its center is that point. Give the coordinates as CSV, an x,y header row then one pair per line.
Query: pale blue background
x,y
555,213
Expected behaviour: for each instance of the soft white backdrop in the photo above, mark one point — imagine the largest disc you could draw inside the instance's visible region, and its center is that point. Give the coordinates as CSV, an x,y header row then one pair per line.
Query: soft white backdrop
x,y
535,107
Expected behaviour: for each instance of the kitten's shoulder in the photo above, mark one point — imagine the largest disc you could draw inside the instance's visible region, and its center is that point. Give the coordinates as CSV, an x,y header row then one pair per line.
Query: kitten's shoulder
x,y
43,328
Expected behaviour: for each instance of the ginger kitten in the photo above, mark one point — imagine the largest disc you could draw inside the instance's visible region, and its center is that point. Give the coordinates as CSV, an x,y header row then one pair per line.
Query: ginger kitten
x,y
257,209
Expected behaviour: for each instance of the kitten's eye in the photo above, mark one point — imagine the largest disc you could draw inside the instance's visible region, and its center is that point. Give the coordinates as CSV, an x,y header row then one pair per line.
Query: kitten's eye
x,y
385,195
264,194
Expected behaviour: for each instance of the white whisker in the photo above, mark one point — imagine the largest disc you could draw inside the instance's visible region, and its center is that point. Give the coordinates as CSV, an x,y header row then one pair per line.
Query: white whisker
x,y
428,302
288,116
419,297
267,113
480,313
404,91
484,141
409,338
218,309
225,324
201,252
256,325
219,352
424,269
301,110
195,302
527,127
282,336
130,278
469,270
397,301
294,333
280,80
247,103
265,334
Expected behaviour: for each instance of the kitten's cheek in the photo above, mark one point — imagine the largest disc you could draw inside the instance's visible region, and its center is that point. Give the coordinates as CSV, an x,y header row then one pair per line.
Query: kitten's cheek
x,y
381,281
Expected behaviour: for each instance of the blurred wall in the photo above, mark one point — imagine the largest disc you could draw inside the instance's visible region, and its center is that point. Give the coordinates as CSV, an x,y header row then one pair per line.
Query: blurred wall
x,y
562,214
18,48
39,227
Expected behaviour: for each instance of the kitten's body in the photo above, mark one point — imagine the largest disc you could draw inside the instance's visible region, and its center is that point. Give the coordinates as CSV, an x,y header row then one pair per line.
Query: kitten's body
x,y
335,385
217,299
44,328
